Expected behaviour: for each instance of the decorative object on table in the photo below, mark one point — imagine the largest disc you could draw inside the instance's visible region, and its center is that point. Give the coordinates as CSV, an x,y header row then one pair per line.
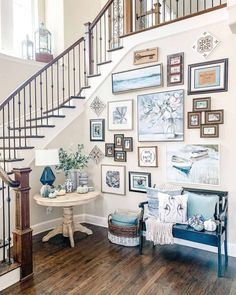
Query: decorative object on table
x,y
119,141
61,190
128,144
206,77
47,158
97,129
27,49
53,194
110,150
205,44
45,190
209,131
83,178
193,163
201,104
71,162
147,156
175,69
194,120
141,78
43,44
113,179
69,185
210,225
97,106
139,181
161,116
120,156
144,56
214,117
196,222
96,155
120,115
82,189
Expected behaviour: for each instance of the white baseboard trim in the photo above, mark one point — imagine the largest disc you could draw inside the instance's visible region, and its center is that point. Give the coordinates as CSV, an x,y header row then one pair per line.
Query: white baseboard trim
x,y
102,221
9,279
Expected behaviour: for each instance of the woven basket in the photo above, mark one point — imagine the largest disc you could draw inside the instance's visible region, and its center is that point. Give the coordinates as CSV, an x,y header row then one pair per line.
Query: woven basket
x,y
122,231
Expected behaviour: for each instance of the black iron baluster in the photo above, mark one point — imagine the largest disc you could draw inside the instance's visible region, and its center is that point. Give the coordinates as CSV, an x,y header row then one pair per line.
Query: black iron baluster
x,y
25,130
68,77
3,220
113,26
171,10
41,98
109,27
177,8
183,7
93,55
19,119
8,128
80,72
197,6
164,11
35,104
63,79
14,126
74,71
190,7
96,49
52,89
105,37
58,87
46,93
85,74
30,108
100,38
152,12
9,223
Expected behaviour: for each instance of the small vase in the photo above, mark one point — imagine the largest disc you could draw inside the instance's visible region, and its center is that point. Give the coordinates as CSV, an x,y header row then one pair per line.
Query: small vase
x,y
83,179
71,179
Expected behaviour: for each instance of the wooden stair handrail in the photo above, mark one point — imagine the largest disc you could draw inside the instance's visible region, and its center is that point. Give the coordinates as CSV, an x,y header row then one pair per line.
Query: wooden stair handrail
x,y
6,179
101,13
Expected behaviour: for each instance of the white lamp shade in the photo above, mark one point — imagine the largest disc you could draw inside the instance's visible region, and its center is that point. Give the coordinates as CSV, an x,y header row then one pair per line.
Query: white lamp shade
x,y
46,157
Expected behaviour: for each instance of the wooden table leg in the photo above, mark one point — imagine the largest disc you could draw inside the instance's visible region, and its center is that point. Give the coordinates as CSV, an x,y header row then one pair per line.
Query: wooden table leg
x,y
53,233
68,225
82,228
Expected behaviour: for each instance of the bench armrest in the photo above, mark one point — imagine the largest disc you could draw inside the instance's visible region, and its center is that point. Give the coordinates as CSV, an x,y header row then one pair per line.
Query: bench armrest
x,y
142,204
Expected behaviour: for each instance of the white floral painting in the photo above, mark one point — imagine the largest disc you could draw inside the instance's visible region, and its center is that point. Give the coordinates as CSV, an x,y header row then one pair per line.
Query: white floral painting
x,y
120,115
194,163
161,116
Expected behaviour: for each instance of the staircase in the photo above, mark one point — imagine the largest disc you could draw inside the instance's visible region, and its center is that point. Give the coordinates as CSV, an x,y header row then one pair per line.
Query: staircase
x,y
38,110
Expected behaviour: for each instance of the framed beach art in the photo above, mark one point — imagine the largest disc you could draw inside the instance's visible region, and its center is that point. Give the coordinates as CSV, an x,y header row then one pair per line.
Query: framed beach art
x,y
113,179
211,76
120,115
141,78
139,181
161,116
193,163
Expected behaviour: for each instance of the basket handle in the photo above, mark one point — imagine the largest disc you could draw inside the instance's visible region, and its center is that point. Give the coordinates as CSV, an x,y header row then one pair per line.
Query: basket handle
x,y
109,217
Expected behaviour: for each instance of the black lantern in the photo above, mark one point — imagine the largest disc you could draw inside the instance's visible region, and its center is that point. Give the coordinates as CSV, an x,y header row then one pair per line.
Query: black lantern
x,y
43,44
27,48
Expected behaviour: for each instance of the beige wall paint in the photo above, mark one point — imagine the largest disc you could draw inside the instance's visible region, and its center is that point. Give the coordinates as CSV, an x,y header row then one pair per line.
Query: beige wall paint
x,y
225,100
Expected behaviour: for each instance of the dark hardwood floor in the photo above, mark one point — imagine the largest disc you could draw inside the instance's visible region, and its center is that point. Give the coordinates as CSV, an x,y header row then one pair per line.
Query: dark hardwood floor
x,y
97,267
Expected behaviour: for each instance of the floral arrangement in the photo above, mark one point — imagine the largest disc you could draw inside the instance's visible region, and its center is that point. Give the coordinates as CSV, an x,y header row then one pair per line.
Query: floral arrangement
x,y
72,160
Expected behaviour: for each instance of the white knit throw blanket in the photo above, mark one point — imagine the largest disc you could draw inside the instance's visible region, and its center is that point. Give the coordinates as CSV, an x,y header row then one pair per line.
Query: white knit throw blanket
x,y
159,232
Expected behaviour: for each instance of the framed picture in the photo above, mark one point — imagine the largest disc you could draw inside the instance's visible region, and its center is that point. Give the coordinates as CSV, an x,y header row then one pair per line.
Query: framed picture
x,y
144,56
97,129
201,104
113,179
139,181
208,77
161,116
128,144
120,156
214,117
141,78
193,163
119,141
194,120
209,131
147,156
175,69
110,150
120,115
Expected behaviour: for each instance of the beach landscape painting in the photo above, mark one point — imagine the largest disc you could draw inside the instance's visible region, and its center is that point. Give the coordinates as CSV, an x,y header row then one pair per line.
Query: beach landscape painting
x,y
137,79
194,164
161,116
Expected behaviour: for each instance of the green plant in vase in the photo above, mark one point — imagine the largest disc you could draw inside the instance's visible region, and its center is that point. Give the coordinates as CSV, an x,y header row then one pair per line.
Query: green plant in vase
x,y
71,162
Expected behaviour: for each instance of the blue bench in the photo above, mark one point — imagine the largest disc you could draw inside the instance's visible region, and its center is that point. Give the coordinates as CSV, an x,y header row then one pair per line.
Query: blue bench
x,y
185,232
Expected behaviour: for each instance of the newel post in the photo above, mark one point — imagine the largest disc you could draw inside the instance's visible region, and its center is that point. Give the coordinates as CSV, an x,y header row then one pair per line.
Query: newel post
x,y
89,49
22,235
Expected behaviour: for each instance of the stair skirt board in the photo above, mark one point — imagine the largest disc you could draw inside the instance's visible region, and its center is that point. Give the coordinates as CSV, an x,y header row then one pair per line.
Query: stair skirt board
x,y
9,278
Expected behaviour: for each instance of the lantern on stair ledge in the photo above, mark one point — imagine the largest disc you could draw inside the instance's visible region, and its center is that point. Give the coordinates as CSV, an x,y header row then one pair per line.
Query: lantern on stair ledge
x,y
43,45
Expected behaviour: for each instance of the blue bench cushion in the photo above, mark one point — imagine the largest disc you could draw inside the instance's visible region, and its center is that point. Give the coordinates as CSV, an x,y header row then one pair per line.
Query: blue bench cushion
x,y
202,204
124,220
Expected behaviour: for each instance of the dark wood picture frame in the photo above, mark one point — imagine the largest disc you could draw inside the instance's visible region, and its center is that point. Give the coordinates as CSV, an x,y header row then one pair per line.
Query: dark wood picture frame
x,y
216,121
192,69
214,135
148,175
130,149
102,123
200,100
116,159
107,146
175,67
198,115
121,145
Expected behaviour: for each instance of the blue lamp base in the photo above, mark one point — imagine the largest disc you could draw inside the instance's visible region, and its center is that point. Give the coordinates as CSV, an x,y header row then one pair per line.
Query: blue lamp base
x,y
47,176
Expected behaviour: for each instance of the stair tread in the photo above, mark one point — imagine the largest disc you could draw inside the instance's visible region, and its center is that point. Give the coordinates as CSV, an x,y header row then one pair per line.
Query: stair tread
x,y
17,148
31,127
11,160
22,137
5,267
104,62
60,107
115,48
46,117
77,97
93,75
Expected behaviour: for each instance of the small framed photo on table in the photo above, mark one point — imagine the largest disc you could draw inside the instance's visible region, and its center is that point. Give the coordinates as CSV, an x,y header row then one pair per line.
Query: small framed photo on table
x,y
147,156
194,120
209,131
211,76
97,129
139,181
202,104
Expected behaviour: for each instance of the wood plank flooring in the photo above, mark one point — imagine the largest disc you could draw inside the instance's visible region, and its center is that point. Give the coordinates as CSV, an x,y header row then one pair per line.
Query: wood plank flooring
x,y
97,267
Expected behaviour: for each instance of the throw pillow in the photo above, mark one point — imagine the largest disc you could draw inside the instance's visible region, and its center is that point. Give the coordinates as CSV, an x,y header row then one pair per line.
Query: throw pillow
x,y
202,204
173,208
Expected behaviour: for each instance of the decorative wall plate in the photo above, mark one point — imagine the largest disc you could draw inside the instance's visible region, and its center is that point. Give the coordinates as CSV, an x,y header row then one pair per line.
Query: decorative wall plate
x,y
97,106
97,155
205,44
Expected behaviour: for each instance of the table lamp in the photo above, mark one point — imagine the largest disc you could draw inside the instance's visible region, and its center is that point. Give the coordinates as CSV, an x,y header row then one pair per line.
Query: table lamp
x,y
47,158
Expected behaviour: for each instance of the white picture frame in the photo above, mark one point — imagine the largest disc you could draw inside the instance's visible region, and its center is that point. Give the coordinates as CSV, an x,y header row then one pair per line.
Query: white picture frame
x,y
120,115
148,156
113,179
